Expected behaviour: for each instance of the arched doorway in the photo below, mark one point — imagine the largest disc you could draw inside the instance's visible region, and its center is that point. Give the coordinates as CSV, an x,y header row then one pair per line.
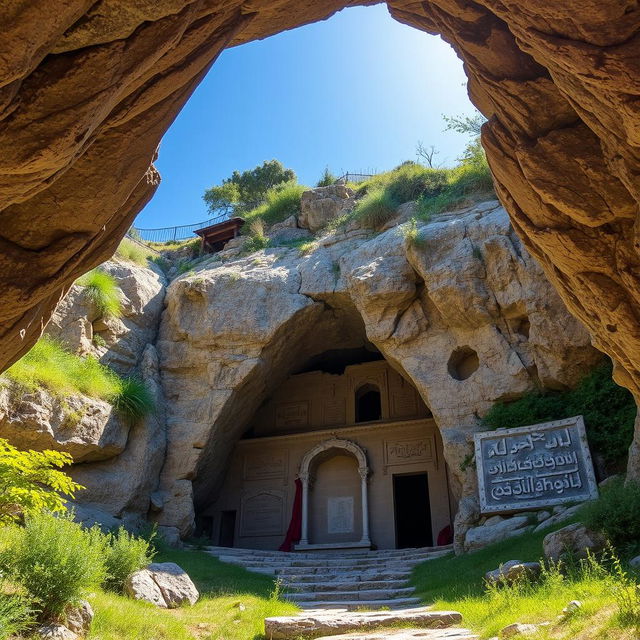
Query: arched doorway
x,y
335,519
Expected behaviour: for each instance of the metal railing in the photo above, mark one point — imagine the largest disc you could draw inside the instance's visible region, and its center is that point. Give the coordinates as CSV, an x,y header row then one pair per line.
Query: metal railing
x,y
355,177
175,234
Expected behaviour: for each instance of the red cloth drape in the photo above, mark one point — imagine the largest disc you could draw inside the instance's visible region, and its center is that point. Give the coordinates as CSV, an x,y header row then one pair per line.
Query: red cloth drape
x,y
295,526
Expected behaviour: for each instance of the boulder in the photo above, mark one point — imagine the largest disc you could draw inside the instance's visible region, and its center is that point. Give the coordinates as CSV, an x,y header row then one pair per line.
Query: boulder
x,y
520,629
321,205
574,541
164,584
513,571
635,562
56,632
561,515
479,537
79,618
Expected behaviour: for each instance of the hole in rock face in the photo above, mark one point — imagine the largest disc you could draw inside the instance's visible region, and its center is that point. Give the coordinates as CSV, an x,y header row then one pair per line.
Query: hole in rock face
x,y
463,363
522,326
612,328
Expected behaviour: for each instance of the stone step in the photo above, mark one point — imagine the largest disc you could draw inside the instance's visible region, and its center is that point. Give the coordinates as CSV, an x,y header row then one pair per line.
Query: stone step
x,y
345,564
345,585
360,605
408,634
349,595
310,624
341,553
348,576
311,568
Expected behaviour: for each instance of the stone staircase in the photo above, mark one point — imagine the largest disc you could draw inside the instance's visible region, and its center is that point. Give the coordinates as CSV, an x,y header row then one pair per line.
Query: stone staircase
x,y
351,580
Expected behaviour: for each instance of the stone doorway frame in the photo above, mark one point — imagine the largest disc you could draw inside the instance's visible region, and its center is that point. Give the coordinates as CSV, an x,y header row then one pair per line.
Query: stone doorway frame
x,y
305,476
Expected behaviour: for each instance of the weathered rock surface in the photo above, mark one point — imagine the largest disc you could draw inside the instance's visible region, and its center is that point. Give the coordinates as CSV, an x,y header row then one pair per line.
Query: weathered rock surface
x,y
311,624
513,571
521,629
56,632
236,328
79,618
321,205
479,537
164,584
86,428
407,634
575,541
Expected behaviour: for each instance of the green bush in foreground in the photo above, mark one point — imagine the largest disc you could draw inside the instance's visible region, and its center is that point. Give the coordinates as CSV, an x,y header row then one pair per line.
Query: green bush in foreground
x,y
616,513
102,290
375,208
63,373
125,554
15,615
54,559
281,202
30,481
609,412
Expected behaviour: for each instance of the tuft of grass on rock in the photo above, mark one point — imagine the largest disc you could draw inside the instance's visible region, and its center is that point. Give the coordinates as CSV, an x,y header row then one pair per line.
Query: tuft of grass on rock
x,y
413,235
376,208
281,202
48,364
134,252
102,290
257,239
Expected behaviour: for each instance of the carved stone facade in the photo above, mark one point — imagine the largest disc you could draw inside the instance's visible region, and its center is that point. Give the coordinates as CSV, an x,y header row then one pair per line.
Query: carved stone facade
x,y
349,468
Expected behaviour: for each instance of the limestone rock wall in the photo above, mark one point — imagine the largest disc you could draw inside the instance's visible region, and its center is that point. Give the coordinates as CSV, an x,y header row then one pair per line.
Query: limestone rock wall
x,y
87,91
467,316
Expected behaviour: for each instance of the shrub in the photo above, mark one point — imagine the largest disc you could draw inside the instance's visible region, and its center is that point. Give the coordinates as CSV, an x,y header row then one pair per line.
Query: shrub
x,y
30,481
609,412
133,252
327,178
133,399
49,365
375,208
413,235
616,513
15,615
55,560
257,239
102,290
125,554
281,202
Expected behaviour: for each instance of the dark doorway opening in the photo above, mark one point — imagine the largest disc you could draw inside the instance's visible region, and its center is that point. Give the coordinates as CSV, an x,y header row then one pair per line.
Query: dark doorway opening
x,y
412,511
227,528
368,404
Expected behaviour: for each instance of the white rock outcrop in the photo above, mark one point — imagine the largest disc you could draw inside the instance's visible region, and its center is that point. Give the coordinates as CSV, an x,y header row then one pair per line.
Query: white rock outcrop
x,y
164,584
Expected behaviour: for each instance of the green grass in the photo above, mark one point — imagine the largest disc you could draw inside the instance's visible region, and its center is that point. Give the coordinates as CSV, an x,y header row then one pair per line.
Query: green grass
x,y
134,252
48,364
456,583
216,616
103,292
414,236
609,412
280,203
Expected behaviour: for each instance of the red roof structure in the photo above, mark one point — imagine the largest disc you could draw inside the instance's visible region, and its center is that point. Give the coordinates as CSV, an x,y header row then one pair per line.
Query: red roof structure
x,y
215,236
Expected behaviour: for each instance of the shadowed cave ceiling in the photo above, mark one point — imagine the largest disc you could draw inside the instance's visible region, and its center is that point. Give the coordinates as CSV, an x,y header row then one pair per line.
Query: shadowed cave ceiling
x,y
87,91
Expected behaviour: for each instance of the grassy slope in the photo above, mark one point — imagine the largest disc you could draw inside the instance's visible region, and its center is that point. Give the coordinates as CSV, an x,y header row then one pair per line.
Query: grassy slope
x,y
457,583
217,615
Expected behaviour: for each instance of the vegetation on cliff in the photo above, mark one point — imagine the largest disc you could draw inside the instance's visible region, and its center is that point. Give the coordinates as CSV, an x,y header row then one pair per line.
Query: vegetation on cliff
x,y
102,290
609,412
48,364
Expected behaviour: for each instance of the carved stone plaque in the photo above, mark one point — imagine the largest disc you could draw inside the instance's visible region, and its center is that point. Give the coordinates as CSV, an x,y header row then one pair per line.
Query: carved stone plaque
x,y
340,515
263,466
262,514
292,414
535,466
397,452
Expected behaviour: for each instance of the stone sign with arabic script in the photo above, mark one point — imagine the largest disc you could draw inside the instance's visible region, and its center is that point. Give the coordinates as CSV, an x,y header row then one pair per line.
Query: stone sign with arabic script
x,y
536,466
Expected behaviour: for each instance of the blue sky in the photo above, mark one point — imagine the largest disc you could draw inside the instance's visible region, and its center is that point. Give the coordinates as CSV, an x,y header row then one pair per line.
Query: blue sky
x,y
355,93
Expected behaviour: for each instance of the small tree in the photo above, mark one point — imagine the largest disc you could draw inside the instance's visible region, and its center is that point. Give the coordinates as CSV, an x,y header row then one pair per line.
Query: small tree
x,y
473,153
30,482
427,155
244,191
327,178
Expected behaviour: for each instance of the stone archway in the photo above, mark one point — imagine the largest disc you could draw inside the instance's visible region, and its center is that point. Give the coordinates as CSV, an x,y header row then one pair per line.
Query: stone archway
x,y
305,476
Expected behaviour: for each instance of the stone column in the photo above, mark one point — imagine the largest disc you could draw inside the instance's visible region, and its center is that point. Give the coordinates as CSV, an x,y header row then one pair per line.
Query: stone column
x,y
364,491
304,537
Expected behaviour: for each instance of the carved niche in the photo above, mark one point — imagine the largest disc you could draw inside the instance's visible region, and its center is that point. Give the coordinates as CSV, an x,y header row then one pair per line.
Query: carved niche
x,y
262,514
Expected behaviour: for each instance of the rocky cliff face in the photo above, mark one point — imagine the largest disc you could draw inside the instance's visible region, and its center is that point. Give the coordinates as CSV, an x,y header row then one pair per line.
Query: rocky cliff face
x,y
466,314
459,308
87,91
